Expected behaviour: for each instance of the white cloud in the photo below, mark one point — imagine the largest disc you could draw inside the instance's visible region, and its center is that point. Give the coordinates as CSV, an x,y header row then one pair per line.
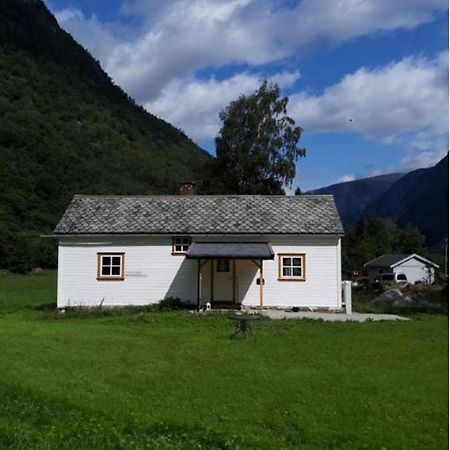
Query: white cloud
x,y
338,21
156,63
414,159
193,105
405,102
178,37
69,14
404,96
98,38
346,178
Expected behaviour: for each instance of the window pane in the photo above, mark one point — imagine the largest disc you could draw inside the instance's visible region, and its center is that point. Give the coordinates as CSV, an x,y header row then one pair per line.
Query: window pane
x,y
297,272
181,243
223,265
115,270
105,270
287,272
116,260
287,262
106,260
297,262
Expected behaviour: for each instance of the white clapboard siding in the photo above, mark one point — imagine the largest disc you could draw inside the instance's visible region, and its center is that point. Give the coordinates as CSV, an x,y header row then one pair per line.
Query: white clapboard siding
x,y
153,273
321,287
416,271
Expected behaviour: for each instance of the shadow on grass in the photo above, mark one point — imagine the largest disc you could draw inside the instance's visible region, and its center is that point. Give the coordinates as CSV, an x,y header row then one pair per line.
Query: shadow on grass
x,y
47,307
134,312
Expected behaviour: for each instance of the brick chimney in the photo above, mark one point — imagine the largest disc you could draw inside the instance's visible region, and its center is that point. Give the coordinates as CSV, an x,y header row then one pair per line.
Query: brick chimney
x,y
187,188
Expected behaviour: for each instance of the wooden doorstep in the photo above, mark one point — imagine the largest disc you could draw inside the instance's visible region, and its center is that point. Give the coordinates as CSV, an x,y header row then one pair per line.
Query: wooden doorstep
x,y
225,305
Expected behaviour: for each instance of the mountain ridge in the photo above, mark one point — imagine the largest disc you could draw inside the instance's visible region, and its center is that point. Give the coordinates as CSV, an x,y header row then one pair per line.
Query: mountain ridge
x,y
418,198
367,189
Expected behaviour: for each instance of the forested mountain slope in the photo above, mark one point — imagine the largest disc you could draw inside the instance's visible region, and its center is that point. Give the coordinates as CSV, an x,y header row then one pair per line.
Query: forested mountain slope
x,y
65,128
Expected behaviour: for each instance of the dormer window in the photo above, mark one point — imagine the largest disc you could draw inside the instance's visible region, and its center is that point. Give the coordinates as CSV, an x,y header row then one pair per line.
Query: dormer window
x,y
180,245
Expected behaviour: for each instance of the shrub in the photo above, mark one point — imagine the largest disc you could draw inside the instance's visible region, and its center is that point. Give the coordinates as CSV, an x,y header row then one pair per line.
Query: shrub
x,y
172,304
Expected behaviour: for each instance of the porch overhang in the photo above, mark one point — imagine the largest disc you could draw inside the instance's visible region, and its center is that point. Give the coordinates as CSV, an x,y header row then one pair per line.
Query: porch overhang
x,y
230,250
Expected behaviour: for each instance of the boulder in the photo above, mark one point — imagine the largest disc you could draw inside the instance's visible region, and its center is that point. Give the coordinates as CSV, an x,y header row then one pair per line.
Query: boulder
x,y
403,299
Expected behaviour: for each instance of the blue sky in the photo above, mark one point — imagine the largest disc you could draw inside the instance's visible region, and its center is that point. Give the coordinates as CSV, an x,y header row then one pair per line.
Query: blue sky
x,y
367,79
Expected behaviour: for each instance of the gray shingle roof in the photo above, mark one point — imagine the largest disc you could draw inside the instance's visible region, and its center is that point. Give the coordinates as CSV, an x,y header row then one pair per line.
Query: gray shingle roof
x,y
199,214
386,260
392,259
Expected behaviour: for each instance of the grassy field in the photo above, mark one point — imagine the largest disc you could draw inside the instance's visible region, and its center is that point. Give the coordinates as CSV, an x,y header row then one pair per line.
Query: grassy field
x,y
174,380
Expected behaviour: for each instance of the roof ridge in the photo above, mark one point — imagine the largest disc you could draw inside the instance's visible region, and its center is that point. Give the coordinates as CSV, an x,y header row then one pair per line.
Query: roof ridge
x,y
200,196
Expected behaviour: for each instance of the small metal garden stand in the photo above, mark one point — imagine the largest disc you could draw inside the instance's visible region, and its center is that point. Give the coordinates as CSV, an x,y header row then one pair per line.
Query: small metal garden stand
x,y
243,324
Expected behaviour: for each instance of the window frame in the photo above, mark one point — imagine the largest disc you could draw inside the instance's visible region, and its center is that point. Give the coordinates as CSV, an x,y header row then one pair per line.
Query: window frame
x,y
121,276
174,244
282,277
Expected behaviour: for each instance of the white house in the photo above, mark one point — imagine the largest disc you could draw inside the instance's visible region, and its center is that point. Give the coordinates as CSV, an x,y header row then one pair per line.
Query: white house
x,y
137,250
415,267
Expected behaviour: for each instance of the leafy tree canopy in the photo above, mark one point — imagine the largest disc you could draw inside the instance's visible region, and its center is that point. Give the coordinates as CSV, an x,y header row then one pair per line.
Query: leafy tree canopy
x,y
257,146
375,237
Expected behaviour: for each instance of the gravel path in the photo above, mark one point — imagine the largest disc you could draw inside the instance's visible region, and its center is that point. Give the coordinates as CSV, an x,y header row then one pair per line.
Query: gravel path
x,y
330,317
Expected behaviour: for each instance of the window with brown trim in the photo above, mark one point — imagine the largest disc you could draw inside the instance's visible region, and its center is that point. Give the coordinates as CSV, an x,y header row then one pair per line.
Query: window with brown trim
x,y
180,244
291,266
110,266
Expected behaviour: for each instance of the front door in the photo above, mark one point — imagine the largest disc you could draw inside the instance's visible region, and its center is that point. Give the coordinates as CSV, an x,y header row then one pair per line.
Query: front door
x,y
223,280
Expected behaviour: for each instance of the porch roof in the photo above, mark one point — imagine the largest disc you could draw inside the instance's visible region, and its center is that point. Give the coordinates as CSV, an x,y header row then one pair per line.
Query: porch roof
x,y
230,250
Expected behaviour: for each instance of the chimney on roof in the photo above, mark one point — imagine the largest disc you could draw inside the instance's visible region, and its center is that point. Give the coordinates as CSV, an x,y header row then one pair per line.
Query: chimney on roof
x,y
187,188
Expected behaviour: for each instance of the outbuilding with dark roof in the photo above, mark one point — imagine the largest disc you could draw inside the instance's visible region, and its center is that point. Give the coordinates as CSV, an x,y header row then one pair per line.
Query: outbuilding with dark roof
x,y
415,267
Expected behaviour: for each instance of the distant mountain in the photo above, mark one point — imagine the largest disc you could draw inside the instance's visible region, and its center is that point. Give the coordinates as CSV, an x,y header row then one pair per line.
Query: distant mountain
x,y
419,198
353,197
65,128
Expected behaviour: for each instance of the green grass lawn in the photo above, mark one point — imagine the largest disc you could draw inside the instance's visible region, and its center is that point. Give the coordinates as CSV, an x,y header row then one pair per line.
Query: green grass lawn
x,y
172,380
